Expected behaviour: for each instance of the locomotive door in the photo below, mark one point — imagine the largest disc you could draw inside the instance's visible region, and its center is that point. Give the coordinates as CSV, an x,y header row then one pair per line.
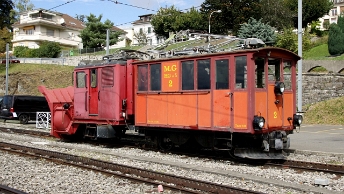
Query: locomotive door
x,y
275,102
240,94
222,95
93,92
80,94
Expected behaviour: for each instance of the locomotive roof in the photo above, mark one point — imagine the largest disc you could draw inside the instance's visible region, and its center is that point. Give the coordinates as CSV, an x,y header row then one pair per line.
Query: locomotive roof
x,y
281,51
142,57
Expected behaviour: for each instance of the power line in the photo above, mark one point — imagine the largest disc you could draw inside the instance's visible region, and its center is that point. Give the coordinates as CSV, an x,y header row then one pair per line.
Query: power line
x,y
61,4
116,2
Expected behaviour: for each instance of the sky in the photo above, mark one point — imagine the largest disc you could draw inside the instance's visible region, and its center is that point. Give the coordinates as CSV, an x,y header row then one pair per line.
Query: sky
x,y
121,14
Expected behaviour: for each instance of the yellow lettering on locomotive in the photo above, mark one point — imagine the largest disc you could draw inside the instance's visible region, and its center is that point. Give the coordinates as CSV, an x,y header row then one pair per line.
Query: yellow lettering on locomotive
x,y
167,75
242,126
170,83
170,68
275,115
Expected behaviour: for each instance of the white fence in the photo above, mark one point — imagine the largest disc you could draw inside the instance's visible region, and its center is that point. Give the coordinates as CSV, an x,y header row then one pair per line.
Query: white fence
x,y
43,120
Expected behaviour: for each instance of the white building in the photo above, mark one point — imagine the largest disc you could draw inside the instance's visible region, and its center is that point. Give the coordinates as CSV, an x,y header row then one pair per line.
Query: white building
x,y
332,17
42,25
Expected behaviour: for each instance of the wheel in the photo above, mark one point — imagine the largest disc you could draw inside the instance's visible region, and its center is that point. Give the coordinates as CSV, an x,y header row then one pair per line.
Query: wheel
x,y
24,118
165,144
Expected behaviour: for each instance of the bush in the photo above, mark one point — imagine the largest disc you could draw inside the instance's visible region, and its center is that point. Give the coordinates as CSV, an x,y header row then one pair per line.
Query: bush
x,y
289,40
335,40
49,49
46,50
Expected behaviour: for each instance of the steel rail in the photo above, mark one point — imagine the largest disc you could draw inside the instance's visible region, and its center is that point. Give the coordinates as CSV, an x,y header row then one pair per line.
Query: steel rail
x,y
172,182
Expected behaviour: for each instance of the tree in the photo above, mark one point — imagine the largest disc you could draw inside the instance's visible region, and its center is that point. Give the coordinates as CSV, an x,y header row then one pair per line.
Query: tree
x,y
5,9
256,29
141,37
81,18
276,13
6,37
164,21
171,20
233,13
289,40
20,6
312,10
335,40
94,35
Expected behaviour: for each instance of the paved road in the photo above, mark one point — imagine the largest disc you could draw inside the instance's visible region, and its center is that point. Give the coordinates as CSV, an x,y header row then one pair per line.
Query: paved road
x,y
323,138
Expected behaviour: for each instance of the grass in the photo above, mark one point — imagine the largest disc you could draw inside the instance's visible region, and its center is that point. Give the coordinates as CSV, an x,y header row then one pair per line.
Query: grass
x,y
320,53
325,112
25,78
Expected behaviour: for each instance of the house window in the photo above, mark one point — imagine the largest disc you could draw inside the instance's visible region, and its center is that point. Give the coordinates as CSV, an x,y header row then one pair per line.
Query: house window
x,y
149,30
29,31
50,32
141,30
334,12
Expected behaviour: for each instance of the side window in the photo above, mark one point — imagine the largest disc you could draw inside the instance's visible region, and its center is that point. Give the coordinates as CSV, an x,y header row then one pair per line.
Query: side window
x,y
80,79
93,78
155,77
142,78
274,67
107,77
187,75
287,74
222,74
259,72
241,72
203,74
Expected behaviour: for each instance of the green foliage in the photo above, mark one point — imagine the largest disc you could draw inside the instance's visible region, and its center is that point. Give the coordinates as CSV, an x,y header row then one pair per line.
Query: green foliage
x,y
5,10
312,10
5,37
46,50
94,35
234,13
340,22
326,24
20,6
256,29
289,40
335,40
49,49
276,13
172,20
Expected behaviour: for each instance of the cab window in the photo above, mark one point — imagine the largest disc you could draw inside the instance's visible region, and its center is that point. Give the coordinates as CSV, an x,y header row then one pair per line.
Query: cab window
x,y
241,72
80,79
259,72
142,78
155,77
203,74
222,74
187,75
287,74
274,67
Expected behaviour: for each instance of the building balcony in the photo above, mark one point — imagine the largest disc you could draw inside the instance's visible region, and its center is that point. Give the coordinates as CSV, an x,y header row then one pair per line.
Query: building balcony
x,y
34,37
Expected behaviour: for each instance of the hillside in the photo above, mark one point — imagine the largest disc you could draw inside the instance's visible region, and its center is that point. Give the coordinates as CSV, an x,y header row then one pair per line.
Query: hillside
x,y
25,78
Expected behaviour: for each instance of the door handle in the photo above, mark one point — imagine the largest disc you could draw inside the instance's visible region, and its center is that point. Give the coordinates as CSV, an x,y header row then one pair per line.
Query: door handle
x,y
229,94
98,95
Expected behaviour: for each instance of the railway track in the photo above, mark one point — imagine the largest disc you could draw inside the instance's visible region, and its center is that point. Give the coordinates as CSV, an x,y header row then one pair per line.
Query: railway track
x,y
292,164
171,182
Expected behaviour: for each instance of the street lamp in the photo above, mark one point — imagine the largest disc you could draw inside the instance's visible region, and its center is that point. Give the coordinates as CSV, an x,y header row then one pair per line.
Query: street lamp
x,y
217,11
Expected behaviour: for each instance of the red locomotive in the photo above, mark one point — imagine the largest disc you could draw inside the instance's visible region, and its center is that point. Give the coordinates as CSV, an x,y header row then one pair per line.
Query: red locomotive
x,y
242,100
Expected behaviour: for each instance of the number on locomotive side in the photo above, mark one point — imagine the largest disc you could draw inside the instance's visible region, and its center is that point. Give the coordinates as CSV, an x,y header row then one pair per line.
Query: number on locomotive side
x,y
275,115
169,83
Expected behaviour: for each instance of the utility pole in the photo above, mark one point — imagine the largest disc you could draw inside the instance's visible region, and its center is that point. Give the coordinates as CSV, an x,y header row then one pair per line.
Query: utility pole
x,y
7,60
299,63
107,41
